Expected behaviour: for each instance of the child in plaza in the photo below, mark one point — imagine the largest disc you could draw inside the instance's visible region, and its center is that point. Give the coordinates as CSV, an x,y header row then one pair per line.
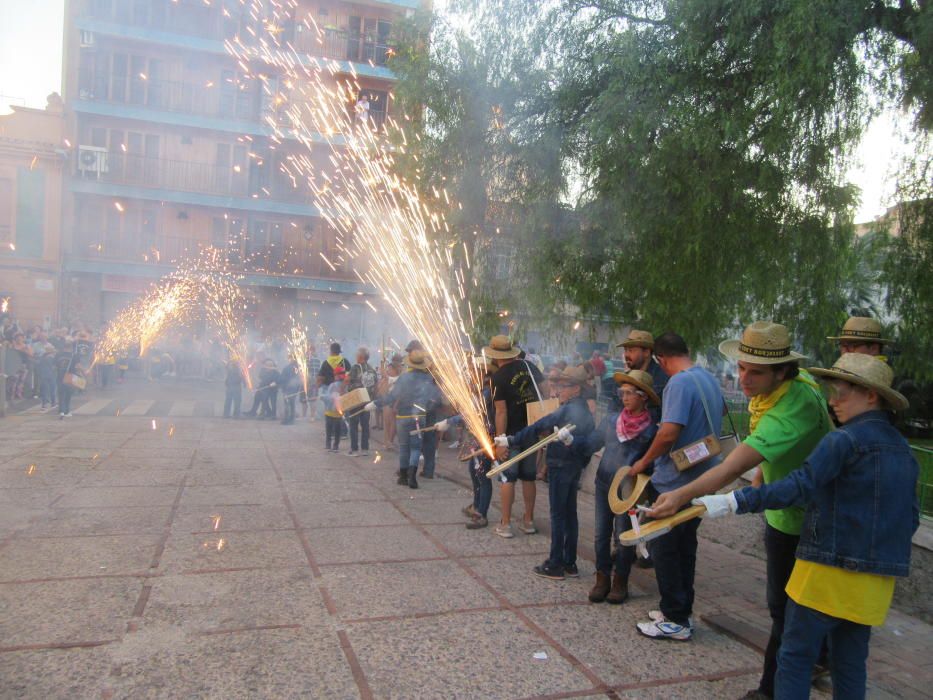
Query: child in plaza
x,y
859,489
566,461
333,419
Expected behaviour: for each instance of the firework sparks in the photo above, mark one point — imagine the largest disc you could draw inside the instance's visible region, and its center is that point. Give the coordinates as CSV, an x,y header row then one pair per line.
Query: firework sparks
x,y
297,342
31,470
372,208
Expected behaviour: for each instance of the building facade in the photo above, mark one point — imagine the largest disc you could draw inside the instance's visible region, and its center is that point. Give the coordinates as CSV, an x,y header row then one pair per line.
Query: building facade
x,y
171,152
33,159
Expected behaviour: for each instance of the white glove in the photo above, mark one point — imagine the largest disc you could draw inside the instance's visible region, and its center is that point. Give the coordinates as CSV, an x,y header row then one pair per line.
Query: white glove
x,y
564,436
718,505
501,440
371,406
441,426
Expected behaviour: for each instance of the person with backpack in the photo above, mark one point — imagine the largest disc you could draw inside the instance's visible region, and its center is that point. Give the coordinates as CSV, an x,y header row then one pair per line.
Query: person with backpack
x,y
362,376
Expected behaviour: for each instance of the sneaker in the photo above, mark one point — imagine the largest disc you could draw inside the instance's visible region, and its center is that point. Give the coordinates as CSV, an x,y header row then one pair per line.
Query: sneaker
x,y
353,453
658,616
555,573
528,528
453,446
505,531
755,695
67,415
477,523
363,453
571,571
664,629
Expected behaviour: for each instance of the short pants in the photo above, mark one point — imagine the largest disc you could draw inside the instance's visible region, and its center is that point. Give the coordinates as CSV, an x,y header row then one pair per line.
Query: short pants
x,y
525,470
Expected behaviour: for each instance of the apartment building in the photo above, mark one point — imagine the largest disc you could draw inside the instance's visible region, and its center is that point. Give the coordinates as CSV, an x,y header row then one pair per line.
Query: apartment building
x,y
171,151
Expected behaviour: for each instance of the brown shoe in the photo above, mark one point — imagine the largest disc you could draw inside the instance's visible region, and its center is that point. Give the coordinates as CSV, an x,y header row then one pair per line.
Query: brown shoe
x,y
600,589
619,592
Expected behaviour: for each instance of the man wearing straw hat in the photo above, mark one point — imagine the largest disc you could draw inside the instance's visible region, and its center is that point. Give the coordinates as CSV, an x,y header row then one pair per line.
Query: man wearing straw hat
x,y
859,490
514,385
638,348
788,419
861,334
566,459
417,396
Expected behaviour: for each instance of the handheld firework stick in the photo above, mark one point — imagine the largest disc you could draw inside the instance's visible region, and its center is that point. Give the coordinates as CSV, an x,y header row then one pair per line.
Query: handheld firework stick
x,y
356,413
632,489
475,453
654,529
418,431
544,442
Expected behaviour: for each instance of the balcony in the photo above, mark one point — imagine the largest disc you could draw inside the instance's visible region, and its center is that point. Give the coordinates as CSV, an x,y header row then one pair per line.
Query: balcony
x,y
168,249
341,45
248,180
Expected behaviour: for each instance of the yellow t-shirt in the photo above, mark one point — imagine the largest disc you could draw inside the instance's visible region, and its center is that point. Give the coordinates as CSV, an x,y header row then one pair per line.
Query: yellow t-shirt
x,y
849,595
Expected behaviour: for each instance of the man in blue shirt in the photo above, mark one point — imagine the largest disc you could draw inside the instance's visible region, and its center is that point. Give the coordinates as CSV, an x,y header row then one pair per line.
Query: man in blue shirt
x,y
692,407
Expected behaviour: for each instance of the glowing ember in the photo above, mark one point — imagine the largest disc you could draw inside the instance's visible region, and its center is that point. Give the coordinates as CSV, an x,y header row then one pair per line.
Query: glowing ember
x,y
154,424
216,520
171,430
31,470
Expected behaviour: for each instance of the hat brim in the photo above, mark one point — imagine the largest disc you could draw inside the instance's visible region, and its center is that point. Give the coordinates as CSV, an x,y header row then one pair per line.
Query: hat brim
x,y
895,399
494,354
860,339
731,349
418,365
636,344
622,378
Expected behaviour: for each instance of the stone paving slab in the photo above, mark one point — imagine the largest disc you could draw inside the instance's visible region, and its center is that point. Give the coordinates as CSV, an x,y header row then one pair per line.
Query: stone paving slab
x,y
205,519
355,545
211,551
54,673
116,496
98,521
43,558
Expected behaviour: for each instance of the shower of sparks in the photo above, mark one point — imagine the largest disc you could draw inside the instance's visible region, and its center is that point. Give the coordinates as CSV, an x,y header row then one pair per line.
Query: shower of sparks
x,y
368,205
4,304
297,342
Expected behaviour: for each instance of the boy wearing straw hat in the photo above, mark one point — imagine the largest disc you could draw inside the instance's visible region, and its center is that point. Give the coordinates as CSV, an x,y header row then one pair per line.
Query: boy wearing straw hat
x,y
788,419
624,436
861,334
859,490
566,460
515,384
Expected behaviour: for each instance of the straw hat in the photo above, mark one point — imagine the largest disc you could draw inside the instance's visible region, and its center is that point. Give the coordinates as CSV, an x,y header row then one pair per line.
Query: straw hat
x,y
762,343
861,328
501,348
640,380
638,339
573,375
418,359
866,371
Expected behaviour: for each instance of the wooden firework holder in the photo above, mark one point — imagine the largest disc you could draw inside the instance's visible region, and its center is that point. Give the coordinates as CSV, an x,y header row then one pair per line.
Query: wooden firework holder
x,y
656,528
544,442
352,399
632,490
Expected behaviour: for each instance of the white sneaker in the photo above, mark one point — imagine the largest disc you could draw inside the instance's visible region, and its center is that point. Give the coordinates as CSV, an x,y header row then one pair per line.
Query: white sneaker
x,y
664,629
505,531
528,528
453,446
658,616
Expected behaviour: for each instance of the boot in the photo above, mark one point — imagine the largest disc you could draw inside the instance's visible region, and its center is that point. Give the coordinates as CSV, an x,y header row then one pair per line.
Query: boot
x,y
600,589
619,592
402,478
413,478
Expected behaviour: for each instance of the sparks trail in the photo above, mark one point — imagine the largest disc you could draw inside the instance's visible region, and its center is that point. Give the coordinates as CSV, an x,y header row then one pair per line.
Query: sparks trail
x,y
369,206
297,344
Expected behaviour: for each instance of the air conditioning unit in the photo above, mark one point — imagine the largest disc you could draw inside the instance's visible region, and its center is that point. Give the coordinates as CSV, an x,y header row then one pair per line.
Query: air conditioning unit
x,y
87,39
92,159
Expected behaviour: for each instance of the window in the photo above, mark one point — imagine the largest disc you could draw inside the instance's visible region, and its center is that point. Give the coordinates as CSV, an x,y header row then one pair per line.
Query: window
x,y
6,213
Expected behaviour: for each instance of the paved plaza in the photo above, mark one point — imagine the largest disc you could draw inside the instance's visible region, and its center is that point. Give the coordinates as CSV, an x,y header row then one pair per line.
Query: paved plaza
x,y
164,552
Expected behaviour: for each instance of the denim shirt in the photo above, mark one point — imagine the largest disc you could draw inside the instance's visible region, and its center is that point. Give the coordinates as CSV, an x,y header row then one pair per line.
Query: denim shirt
x,y
859,486
559,456
616,454
416,393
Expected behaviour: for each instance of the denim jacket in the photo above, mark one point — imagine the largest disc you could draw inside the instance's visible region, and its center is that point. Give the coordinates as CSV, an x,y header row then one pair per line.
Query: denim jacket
x,y
560,456
859,488
416,393
616,454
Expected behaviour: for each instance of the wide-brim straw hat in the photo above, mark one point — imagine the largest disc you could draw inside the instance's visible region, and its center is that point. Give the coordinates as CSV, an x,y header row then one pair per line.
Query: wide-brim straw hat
x,y
640,380
861,328
501,348
762,343
638,339
574,376
418,359
867,371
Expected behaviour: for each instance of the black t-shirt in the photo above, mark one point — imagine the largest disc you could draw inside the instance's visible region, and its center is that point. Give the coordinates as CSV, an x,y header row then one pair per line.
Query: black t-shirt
x,y
513,384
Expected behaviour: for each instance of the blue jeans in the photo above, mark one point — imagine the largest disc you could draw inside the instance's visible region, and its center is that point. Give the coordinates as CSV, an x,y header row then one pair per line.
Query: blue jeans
x,y
64,397
482,487
562,497
232,400
429,450
608,528
804,632
47,390
409,446
675,563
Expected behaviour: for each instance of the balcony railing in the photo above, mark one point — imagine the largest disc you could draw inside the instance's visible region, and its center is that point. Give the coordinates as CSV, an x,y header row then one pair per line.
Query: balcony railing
x,y
245,257
207,23
248,180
